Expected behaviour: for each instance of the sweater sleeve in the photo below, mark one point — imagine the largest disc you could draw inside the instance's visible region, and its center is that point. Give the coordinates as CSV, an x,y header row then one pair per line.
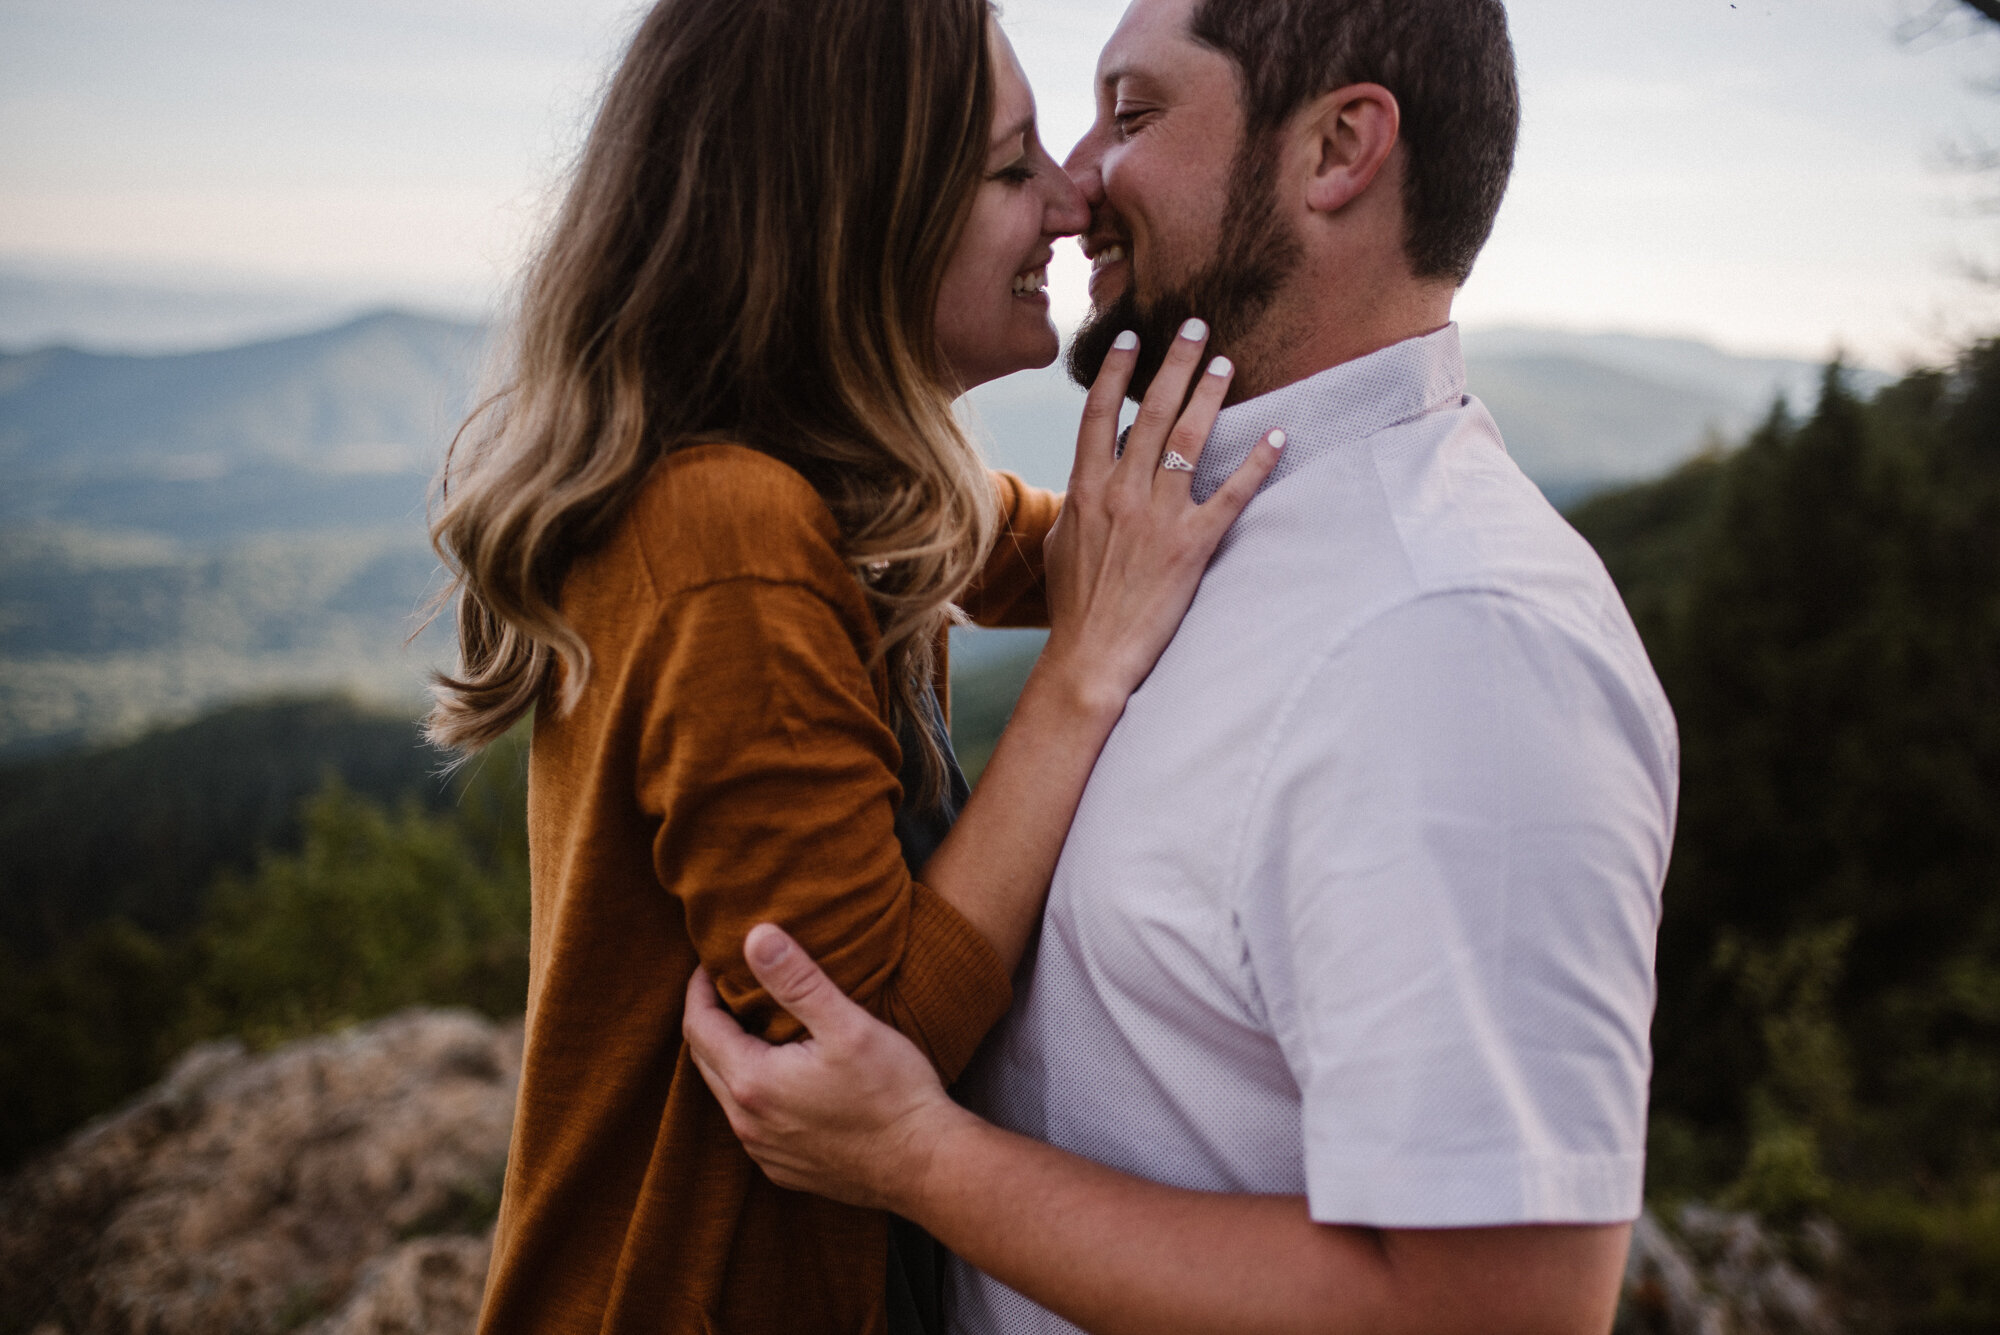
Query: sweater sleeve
x,y
1011,590
766,761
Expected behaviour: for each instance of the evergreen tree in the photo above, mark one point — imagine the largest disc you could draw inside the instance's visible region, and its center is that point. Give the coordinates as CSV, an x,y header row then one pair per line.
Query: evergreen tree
x,y
1828,1033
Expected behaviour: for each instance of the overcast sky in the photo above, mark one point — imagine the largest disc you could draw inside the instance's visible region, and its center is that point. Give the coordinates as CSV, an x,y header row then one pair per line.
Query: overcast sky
x,y
1768,175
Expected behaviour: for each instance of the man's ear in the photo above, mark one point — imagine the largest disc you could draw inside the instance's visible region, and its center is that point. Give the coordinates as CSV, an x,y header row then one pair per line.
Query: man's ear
x,y
1346,135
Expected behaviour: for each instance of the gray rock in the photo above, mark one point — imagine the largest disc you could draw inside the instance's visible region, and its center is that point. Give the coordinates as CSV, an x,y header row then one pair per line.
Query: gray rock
x,y
345,1185
1717,1272
252,1193
429,1286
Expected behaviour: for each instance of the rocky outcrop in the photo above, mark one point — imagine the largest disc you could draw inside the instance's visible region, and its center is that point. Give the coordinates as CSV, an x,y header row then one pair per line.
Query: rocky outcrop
x,y
346,1186
344,1183
430,1286
1716,1272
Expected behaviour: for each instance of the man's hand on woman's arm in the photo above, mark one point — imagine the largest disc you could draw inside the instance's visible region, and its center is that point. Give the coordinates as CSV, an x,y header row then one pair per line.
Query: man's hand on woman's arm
x,y
855,1113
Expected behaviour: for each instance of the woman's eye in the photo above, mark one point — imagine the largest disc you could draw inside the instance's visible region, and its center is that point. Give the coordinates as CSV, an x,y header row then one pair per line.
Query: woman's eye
x,y
1019,174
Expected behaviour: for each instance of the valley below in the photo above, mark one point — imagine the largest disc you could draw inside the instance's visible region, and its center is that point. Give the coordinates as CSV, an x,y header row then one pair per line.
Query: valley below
x,y
181,530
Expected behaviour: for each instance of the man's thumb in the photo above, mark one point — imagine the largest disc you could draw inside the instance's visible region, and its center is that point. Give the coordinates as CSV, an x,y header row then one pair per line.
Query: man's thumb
x,y
793,979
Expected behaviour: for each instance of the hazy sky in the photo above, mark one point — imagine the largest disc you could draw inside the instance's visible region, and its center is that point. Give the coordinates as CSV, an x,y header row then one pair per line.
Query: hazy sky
x,y
1767,174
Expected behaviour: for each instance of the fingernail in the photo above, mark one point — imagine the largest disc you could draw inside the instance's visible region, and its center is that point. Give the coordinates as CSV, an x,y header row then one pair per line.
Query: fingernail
x,y
1277,440
1126,341
1220,366
1194,331
770,947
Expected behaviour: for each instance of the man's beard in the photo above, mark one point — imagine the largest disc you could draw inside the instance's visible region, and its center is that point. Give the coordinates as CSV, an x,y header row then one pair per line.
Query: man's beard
x,y
1231,292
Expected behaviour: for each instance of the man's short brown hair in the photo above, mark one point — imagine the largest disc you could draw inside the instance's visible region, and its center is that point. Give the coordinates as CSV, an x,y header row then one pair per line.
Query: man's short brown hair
x,y
1449,64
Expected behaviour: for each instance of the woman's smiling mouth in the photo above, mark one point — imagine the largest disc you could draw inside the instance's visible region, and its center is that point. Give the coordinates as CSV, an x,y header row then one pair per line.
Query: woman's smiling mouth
x,y
1032,282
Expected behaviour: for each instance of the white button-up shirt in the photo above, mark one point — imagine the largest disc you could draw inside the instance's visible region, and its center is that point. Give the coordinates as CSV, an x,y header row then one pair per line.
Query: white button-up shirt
x,y
1361,899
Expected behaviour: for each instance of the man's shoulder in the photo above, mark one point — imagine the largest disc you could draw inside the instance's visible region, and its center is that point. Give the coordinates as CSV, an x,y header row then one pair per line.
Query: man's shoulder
x,y
1425,508
1488,687
1449,580
1467,520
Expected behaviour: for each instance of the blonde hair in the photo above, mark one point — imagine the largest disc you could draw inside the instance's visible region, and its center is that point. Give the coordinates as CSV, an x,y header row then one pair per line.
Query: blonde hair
x,y
750,250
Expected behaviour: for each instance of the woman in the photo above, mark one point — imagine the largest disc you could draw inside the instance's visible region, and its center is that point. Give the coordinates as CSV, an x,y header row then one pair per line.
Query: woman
x,y
713,537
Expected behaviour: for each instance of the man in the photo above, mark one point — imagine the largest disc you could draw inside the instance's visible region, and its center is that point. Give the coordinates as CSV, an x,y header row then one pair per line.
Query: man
x,y
1338,1019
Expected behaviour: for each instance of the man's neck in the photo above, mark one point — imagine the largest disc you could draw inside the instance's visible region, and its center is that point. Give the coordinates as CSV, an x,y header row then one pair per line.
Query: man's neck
x,y
1299,339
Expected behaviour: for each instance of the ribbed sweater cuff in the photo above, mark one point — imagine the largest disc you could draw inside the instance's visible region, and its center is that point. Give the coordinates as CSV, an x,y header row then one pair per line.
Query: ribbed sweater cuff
x,y
952,982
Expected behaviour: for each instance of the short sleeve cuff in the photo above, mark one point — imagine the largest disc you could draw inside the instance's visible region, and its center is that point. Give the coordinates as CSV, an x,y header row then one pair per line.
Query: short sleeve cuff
x,y
1475,1192
952,981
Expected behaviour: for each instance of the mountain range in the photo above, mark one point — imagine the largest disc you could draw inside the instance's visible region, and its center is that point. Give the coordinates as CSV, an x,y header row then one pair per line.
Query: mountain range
x,y
178,529
1580,412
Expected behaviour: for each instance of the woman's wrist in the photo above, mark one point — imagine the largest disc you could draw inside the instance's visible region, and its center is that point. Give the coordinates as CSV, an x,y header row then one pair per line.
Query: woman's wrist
x,y
1081,694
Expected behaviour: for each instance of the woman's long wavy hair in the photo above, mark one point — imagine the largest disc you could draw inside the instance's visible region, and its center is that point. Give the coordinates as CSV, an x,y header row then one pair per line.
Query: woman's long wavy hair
x,y
751,251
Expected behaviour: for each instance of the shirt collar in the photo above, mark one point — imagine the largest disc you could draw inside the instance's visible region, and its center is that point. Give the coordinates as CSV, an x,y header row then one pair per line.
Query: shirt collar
x,y
1337,407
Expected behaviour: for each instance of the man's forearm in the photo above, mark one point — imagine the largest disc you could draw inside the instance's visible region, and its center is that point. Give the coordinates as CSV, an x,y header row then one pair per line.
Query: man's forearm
x,y
1115,1253
856,1113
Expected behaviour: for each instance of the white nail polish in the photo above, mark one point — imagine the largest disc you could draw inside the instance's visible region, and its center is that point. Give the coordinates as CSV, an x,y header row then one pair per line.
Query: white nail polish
x,y
1220,366
1194,331
1277,440
1126,341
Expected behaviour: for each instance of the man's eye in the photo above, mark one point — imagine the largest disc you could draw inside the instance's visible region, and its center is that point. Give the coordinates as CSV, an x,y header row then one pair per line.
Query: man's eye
x,y
1125,122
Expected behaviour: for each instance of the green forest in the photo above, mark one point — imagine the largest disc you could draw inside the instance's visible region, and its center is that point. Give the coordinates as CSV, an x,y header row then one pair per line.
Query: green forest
x,y
1823,607
1822,602
275,870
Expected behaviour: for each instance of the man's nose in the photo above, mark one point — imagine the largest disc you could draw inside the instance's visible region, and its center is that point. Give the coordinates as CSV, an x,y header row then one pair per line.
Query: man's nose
x,y
1085,166
1068,212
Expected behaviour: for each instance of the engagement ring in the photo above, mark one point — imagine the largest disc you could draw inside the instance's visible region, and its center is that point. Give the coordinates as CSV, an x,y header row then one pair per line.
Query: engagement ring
x,y
1173,463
